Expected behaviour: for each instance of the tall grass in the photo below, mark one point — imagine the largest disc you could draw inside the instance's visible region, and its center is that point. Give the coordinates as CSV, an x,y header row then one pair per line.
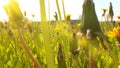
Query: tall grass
x,y
59,13
43,44
63,8
46,36
15,16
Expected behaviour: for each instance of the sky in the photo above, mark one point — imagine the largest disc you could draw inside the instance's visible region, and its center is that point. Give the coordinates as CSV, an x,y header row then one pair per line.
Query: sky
x,y
73,7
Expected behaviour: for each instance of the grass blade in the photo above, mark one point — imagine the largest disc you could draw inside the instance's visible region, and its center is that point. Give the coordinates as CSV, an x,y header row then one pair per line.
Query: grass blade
x,y
46,43
63,8
58,8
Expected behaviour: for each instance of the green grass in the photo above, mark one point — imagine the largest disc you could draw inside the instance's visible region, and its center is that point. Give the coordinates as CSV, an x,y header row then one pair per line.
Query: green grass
x,y
24,44
13,56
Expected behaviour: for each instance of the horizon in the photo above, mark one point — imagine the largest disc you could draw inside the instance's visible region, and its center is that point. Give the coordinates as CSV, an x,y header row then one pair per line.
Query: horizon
x,y
71,7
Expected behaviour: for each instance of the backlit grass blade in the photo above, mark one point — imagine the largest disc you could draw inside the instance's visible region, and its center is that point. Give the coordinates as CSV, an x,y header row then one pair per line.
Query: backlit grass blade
x,y
58,8
63,8
46,43
49,10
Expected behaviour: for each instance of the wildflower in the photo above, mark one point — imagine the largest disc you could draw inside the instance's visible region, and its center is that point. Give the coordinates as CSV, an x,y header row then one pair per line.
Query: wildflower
x,y
78,25
118,17
110,34
57,29
61,27
104,11
115,33
68,16
118,22
33,15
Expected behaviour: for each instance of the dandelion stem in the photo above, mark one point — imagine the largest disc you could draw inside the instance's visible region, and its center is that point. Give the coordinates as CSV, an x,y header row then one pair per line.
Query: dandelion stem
x,y
28,51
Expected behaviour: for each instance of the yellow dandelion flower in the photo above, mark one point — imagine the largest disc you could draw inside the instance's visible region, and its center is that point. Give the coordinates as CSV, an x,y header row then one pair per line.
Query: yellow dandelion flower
x,y
57,29
78,25
110,34
118,17
64,25
68,16
114,33
118,29
118,21
104,9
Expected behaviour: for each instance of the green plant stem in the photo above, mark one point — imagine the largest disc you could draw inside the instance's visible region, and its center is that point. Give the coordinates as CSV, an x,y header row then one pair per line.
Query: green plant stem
x,y
58,8
45,32
63,8
49,10
28,51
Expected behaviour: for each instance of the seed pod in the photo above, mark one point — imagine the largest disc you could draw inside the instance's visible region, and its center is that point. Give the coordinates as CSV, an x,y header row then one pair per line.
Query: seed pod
x,y
60,57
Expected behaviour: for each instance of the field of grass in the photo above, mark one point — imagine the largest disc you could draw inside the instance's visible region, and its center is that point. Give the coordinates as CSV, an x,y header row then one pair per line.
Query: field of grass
x,y
13,55
54,44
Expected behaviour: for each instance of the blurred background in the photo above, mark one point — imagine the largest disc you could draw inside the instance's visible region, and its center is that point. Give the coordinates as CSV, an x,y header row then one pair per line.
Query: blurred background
x,y
73,7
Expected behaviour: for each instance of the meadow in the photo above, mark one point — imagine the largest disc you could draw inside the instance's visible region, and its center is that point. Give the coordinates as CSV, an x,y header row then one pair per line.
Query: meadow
x,y
54,44
13,55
